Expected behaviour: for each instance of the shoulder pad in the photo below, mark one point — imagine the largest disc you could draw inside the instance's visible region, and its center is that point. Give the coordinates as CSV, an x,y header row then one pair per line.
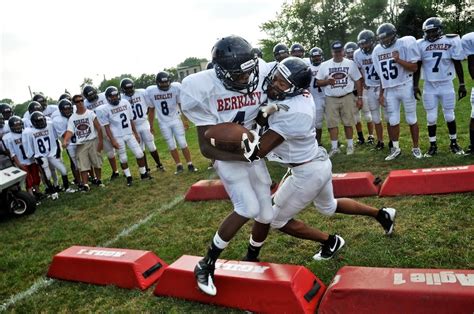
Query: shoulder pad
x,y
452,35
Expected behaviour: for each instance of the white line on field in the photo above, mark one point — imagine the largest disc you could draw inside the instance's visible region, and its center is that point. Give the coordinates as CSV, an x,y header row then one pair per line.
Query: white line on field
x,y
44,282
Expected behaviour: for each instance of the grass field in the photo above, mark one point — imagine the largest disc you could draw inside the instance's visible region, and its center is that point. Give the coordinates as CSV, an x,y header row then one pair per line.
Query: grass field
x,y
431,231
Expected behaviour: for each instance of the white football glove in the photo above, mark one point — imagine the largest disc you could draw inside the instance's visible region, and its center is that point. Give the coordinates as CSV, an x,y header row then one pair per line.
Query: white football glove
x,y
272,108
251,147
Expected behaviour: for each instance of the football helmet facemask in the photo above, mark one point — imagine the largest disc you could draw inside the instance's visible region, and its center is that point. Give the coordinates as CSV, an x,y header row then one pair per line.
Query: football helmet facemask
x,y
289,78
112,95
163,80
65,108
41,99
16,124
127,87
297,50
6,111
235,64
38,120
280,52
349,49
316,56
366,41
34,106
433,29
387,35
90,93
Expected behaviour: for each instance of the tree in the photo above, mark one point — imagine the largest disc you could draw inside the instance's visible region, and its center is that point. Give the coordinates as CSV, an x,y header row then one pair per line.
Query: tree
x,y
7,101
192,61
410,20
86,81
114,81
145,80
173,72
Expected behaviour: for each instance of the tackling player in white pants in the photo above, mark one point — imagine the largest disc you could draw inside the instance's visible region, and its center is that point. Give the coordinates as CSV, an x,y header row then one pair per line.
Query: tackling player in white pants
x,y
291,141
440,56
92,102
468,47
395,60
164,97
40,142
316,58
370,98
140,106
116,117
231,92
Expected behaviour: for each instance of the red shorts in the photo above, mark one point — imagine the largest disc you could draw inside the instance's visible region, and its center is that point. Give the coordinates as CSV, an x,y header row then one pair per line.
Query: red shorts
x,y
32,176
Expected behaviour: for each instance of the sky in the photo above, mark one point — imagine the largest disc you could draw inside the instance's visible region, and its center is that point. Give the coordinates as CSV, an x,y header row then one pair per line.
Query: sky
x,y
53,45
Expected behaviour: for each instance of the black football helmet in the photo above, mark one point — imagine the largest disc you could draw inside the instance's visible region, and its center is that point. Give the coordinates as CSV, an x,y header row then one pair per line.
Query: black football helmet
x,y
387,35
295,71
297,50
41,99
6,111
34,106
163,80
235,64
316,56
433,29
65,108
127,87
90,93
2,121
280,52
349,49
16,124
65,96
210,65
366,41
38,120
112,95
257,52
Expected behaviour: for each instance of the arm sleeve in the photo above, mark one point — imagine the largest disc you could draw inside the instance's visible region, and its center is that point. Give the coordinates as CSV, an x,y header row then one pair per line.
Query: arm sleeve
x,y
9,145
457,52
102,117
27,142
195,105
290,125
413,52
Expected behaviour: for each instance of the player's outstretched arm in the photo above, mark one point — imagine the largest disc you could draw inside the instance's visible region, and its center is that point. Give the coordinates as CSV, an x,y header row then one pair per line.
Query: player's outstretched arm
x,y
211,152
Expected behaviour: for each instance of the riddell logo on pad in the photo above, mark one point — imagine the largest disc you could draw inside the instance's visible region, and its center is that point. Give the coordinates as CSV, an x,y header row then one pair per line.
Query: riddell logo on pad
x,y
101,253
435,279
440,169
242,267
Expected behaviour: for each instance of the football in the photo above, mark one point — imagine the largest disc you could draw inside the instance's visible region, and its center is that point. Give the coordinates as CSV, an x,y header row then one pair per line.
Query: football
x,y
227,136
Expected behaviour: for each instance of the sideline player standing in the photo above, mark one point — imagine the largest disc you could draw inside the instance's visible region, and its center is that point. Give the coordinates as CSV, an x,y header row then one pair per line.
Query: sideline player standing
x,y
440,56
316,58
140,104
207,99
468,47
290,140
395,60
164,96
363,59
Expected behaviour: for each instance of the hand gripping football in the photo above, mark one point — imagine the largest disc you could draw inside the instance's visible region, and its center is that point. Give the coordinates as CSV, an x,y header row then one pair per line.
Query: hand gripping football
x,y
227,136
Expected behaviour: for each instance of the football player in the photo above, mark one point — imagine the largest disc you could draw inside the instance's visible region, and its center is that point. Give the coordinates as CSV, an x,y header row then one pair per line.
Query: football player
x,y
468,47
340,76
440,56
13,142
116,116
48,110
290,140
231,92
297,50
370,99
316,58
349,50
40,142
395,60
164,101
92,102
6,112
280,52
139,100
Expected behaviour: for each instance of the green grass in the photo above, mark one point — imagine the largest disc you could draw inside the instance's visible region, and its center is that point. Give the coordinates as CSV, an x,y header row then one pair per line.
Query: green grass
x,y
431,231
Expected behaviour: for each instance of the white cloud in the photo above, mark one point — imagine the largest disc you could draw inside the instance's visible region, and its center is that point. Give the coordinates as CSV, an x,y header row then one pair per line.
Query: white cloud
x,y
51,45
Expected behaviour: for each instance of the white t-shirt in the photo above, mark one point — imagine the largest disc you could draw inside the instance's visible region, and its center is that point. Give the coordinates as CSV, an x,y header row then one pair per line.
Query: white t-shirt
x,y
345,73
391,73
468,43
40,142
316,91
436,58
366,66
82,127
118,117
165,102
296,126
13,142
140,105
205,100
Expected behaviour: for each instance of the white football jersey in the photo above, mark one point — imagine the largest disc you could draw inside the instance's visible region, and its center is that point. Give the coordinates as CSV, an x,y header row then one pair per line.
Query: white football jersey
x,y
13,142
49,110
94,105
468,44
27,122
316,91
118,117
140,105
165,102
60,126
436,58
296,126
40,142
205,100
392,74
365,63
